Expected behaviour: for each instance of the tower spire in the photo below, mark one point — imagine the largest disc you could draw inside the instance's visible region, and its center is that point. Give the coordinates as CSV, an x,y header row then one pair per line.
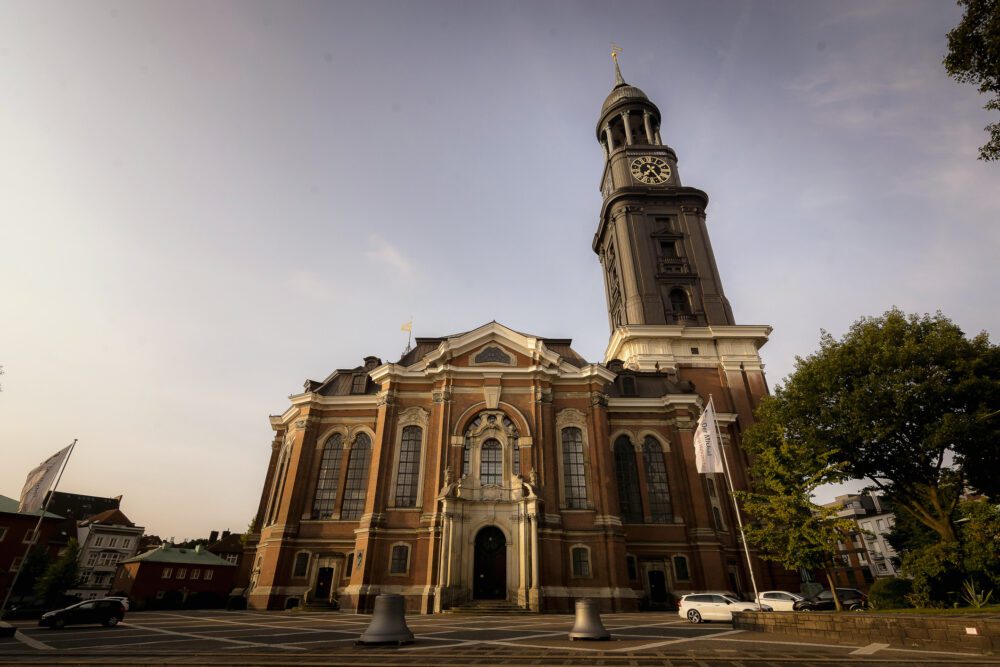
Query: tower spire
x,y
615,50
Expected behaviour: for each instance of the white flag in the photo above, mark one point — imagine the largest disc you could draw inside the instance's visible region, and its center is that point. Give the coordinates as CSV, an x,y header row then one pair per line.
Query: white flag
x,y
40,480
707,455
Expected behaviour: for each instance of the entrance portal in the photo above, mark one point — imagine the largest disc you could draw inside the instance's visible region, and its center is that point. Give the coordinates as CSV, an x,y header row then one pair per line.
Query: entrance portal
x,y
490,570
323,580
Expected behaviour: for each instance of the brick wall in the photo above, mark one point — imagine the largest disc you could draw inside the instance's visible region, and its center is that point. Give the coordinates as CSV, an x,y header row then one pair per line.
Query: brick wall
x,y
932,633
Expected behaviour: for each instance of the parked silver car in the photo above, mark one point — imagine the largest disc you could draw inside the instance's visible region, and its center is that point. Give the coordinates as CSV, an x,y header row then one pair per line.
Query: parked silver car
x,y
698,607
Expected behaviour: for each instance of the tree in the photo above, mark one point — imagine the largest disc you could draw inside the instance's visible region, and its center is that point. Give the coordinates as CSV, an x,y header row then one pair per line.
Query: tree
x,y
906,402
786,526
35,564
61,575
974,57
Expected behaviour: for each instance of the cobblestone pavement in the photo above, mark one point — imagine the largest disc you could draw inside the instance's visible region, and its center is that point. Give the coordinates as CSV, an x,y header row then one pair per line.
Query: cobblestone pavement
x,y
298,638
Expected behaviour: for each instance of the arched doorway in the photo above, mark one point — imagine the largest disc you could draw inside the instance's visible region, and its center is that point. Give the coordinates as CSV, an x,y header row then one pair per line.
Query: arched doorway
x,y
490,568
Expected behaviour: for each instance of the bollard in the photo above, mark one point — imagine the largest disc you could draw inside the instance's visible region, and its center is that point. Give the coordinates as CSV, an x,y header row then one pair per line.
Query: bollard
x,y
388,624
588,622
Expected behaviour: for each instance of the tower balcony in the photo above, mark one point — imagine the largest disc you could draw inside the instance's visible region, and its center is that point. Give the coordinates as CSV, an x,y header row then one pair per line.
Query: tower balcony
x,y
673,266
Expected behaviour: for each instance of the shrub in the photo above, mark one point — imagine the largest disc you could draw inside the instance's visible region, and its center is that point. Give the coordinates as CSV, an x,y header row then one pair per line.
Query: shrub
x,y
890,593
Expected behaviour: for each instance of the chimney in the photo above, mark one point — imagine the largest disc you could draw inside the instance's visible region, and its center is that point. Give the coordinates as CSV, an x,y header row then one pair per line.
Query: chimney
x,y
213,537
225,534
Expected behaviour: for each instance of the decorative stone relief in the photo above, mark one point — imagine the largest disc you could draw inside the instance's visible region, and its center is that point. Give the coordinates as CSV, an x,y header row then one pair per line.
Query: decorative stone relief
x,y
493,355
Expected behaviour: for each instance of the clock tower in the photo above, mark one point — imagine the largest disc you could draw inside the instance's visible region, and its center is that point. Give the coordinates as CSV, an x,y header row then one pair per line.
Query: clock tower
x,y
666,305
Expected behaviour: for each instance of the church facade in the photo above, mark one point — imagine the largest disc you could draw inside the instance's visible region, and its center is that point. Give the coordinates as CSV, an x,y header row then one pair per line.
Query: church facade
x,y
497,465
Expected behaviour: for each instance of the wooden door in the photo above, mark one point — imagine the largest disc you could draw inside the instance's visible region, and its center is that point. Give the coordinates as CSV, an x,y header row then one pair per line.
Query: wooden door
x,y
490,567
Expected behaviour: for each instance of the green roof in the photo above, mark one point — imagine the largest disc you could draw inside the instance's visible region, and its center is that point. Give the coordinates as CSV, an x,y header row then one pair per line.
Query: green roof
x,y
9,506
168,553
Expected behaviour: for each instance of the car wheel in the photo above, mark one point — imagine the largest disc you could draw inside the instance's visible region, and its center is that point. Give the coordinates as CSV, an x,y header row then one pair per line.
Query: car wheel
x,y
112,621
694,616
857,607
58,624
806,609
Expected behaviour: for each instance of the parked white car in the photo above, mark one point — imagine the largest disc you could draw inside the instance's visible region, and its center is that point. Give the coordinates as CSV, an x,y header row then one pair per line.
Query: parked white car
x,y
699,607
123,600
779,600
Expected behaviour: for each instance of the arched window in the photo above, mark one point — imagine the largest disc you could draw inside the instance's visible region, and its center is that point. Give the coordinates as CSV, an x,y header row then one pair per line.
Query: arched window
x,y
399,561
679,303
328,477
356,484
301,566
409,467
279,484
490,463
581,561
627,475
656,478
574,476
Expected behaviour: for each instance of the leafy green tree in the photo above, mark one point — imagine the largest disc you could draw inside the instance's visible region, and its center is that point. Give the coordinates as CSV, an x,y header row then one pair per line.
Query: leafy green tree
x,y
974,57
979,532
786,525
906,402
62,575
35,564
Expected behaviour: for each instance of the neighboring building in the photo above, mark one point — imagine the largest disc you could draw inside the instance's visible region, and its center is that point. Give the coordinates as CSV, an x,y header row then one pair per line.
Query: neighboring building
x,y
77,507
865,553
16,530
105,540
494,464
173,577
231,548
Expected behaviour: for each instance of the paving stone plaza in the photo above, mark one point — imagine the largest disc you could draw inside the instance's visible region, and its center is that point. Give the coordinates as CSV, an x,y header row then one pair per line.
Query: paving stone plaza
x,y
218,637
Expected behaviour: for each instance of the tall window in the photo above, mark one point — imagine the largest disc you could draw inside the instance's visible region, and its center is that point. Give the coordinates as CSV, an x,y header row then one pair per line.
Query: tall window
x,y
656,478
681,568
328,477
301,567
628,481
466,456
409,467
717,518
356,484
573,470
490,463
679,303
581,562
517,458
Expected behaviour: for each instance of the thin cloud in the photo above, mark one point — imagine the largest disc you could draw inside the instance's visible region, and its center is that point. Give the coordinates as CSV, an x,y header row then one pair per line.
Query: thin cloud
x,y
385,253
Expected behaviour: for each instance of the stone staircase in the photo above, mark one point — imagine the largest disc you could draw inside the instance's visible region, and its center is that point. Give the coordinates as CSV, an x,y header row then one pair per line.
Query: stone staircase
x,y
488,607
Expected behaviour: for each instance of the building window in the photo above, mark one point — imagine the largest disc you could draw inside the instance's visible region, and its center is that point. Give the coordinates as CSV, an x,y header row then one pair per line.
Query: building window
x,y
466,456
628,386
717,518
359,383
209,574
581,561
99,541
328,477
195,574
301,566
167,572
126,543
490,463
3,533
182,573
349,568
516,461
681,572
28,535
633,568
232,558
113,542
574,476
627,475
710,483
679,303
92,559
400,561
660,507
409,467
356,484
15,564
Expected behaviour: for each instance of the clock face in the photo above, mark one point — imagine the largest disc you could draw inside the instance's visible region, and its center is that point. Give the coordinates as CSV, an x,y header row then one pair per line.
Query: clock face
x,y
650,170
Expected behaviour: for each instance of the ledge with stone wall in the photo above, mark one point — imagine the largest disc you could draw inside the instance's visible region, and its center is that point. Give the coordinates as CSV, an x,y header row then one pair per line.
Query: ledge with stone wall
x,y
965,634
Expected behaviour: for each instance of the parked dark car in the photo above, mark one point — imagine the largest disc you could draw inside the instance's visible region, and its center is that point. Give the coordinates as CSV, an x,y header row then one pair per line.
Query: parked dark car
x,y
850,598
106,612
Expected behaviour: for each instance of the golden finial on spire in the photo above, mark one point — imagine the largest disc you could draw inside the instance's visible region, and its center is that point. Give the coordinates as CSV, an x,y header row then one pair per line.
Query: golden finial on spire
x,y
615,50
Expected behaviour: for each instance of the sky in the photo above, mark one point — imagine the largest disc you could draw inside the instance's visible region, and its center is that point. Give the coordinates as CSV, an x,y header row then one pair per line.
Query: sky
x,y
202,205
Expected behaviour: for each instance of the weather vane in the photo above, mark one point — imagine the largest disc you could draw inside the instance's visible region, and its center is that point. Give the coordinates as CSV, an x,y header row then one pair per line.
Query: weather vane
x,y
615,50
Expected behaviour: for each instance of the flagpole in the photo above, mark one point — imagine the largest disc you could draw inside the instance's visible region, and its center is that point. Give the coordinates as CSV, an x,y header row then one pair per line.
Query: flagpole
x,y
736,505
38,527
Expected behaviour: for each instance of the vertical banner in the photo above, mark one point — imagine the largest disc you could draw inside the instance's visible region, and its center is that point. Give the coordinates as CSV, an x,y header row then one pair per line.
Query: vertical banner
x,y
39,481
707,445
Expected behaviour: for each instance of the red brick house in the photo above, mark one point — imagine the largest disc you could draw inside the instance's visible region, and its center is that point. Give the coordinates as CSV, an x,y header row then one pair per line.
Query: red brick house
x,y
171,577
15,533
